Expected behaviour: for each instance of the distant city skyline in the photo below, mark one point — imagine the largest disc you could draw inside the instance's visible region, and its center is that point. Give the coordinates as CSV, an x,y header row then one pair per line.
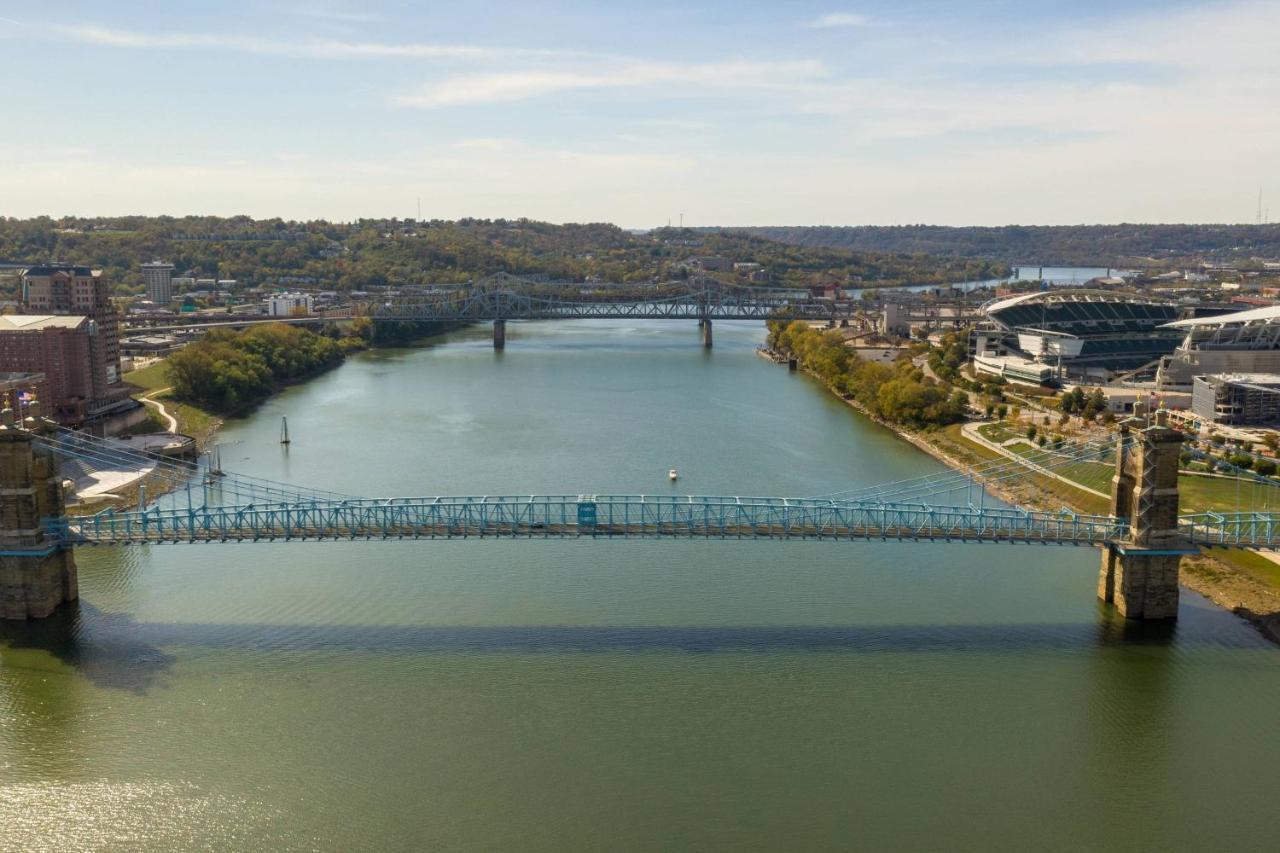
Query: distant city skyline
x,y
804,113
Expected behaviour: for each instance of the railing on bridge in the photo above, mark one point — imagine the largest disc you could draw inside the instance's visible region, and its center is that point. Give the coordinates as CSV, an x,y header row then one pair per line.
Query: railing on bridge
x,y
577,516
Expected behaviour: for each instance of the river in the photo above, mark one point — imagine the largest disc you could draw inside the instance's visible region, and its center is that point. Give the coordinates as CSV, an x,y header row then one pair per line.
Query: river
x,y
551,695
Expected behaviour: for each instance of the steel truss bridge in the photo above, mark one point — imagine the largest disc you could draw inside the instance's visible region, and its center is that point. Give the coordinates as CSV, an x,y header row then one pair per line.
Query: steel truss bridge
x,y
506,297
198,503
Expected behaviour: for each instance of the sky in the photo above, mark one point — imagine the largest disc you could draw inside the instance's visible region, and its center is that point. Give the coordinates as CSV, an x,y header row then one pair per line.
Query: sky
x,y
985,112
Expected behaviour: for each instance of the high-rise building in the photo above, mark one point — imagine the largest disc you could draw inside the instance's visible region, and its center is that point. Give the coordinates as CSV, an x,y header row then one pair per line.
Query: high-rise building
x,y
158,277
61,289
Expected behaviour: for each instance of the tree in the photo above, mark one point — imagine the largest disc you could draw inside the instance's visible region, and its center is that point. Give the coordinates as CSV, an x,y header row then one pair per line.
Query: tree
x,y
1096,402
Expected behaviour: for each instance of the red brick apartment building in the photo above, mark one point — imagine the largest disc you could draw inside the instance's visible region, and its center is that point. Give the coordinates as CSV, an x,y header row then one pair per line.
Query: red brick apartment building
x,y
82,292
60,347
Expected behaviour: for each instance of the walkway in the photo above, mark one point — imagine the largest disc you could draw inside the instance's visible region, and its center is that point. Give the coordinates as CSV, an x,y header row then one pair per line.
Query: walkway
x,y
164,413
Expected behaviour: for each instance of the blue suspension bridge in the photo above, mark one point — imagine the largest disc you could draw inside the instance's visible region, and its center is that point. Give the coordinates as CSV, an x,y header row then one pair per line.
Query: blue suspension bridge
x,y
196,502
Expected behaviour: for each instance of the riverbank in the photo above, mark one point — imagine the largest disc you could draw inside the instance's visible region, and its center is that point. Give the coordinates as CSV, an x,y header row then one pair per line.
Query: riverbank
x,y
1245,583
202,423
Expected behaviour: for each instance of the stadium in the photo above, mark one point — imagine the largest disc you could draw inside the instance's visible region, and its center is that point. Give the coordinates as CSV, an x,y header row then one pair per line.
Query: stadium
x,y
1081,333
1245,342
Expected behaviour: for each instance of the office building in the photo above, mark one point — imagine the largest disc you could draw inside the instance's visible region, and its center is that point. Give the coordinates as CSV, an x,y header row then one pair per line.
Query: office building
x,y
158,278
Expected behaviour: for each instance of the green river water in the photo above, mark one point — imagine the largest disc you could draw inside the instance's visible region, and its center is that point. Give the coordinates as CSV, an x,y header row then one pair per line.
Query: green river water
x,y
553,695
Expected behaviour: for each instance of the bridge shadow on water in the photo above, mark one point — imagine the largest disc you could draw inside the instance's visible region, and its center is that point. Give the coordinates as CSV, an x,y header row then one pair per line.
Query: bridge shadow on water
x,y
104,647
114,650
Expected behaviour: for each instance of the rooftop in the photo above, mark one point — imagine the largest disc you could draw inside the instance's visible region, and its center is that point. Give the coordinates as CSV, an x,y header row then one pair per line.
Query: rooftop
x,y
50,269
1265,380
37,322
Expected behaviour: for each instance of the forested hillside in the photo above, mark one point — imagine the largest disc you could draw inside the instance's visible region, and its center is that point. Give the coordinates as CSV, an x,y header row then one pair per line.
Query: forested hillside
x,y
1075,245
355,256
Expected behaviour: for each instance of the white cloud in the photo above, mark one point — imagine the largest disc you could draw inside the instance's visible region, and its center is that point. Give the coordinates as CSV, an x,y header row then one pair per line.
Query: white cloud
x,y
684,78
311,49
839,20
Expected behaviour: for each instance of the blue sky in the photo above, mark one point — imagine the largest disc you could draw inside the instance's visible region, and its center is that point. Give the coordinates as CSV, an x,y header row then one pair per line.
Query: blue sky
x,y
728,112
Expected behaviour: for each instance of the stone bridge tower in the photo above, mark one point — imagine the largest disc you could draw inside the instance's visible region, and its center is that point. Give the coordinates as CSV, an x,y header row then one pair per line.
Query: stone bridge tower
x,y
1140,573
36,573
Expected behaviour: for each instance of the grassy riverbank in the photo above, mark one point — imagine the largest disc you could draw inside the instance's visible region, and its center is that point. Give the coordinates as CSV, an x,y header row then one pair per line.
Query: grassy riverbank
x,y
192,420
266,361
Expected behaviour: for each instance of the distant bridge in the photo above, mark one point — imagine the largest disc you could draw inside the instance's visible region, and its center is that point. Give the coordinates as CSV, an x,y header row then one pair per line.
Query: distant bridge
x,y
149,326
506,297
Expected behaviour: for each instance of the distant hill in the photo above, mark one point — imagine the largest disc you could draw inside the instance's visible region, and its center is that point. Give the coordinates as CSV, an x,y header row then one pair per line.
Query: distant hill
x,y
369,253
1074,245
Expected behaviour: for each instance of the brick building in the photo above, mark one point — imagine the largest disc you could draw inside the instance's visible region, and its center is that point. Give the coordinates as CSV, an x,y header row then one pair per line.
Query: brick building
x,y
60,348
69,291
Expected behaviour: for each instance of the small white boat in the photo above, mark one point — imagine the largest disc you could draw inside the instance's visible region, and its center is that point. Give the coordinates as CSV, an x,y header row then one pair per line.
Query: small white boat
x,y
673,474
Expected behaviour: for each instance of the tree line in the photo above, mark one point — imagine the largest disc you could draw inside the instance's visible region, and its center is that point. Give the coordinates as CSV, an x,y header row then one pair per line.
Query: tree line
x,y
227,372
1068,245
372,253
899,393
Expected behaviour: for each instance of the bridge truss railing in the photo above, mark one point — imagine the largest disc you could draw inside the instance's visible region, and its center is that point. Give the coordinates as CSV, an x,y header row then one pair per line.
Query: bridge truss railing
x,y
1260,530
579,516
513,299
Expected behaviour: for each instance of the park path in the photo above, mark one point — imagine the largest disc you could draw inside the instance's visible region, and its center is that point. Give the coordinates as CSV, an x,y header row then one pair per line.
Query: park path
x,y
164,413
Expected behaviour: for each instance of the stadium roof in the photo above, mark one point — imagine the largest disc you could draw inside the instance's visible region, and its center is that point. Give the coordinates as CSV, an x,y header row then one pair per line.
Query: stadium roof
x,y
1267,314
1071,294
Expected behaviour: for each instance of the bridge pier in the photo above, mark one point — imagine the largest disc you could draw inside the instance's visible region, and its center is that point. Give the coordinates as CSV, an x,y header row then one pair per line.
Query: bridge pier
x,y
36,573
499,334
1139,574
706,332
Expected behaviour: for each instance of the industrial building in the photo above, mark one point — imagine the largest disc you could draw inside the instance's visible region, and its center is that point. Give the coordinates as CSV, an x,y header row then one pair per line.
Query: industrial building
x,y
1081,333
1246,399
290,304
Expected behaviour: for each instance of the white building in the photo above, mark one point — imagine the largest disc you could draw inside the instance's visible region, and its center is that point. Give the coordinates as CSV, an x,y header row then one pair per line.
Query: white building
x,y
158,277
289,304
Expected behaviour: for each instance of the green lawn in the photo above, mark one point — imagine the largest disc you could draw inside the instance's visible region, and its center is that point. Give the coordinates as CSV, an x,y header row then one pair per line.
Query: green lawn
x,y
150,377
1251,563
1226,495
999,432
1091,475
